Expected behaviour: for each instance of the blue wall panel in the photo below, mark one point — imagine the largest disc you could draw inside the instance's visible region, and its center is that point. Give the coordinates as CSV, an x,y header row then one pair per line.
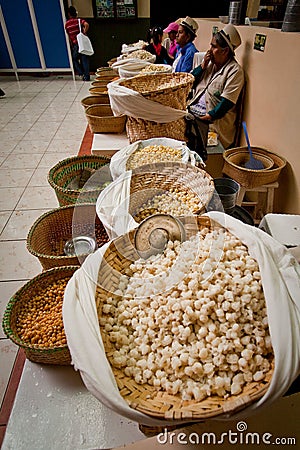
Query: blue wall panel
x,y
52,34
20,30
5,62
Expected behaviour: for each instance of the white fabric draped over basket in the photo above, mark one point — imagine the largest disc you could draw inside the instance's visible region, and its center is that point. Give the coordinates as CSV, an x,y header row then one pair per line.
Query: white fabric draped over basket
x,y
280,274
130,67
131,103
119,159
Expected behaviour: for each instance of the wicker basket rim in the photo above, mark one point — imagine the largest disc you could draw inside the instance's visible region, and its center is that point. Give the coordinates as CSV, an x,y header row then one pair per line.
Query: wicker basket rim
x,y
16,298
235,150
37,223
70,160
184,80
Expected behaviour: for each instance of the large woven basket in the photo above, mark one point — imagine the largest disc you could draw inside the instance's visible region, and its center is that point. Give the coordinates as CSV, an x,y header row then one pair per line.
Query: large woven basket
x,y
100,99
146,398
154,179
64,172
235,158
34,352
49,233
101,120
169,89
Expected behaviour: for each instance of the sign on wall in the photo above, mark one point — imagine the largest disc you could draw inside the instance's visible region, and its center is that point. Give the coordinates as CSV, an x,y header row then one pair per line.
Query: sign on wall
x,y
115,9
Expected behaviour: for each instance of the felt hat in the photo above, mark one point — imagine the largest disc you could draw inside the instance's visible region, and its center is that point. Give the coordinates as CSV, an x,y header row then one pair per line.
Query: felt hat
x,y
190,24
231,36
173,26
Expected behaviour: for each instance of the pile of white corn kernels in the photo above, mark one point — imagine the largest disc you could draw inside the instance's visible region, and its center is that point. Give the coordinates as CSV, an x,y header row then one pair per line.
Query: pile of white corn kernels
x,y
177,202
153,154
192,321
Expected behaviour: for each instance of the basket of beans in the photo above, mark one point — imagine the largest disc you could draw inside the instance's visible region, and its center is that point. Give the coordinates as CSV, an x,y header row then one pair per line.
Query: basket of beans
x,y
33,317
49,236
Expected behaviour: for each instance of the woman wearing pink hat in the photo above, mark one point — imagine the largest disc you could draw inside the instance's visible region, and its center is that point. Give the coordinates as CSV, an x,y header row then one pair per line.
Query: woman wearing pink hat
x,y
170,42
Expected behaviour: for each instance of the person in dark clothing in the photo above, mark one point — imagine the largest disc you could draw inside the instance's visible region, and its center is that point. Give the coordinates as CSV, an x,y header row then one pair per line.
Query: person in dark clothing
x,y
80,61
156,48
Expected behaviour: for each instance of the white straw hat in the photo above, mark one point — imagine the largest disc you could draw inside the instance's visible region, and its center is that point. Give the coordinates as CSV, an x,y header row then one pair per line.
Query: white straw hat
x,y
231,36
190,24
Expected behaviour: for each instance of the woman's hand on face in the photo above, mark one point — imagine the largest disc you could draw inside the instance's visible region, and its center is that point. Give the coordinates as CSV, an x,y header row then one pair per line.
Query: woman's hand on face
x,y
205,60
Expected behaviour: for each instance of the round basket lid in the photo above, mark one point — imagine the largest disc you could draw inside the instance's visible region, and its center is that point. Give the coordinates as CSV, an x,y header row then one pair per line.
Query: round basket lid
x,y
153,234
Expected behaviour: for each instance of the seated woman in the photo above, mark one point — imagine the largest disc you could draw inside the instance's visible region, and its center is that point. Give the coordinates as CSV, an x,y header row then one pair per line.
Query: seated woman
x,y
219,80
156,48
186,49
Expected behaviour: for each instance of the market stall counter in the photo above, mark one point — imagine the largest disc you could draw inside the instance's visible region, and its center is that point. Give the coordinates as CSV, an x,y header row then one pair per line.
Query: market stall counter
x,y
53,409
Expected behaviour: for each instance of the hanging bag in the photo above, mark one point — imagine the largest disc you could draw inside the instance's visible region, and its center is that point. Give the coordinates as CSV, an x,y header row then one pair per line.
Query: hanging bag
x,y
84,44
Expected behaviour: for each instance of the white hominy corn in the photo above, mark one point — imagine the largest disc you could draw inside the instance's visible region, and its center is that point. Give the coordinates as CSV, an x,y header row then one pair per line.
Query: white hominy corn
x,y
153,154
177,339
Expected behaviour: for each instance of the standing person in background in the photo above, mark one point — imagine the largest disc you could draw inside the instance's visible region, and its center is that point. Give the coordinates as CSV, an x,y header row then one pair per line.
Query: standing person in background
x,y
81,62
170,42
185,54
156,48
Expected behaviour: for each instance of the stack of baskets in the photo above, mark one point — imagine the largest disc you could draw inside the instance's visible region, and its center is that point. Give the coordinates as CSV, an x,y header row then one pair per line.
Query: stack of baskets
x,y
101,119
169,89
234,166
41,298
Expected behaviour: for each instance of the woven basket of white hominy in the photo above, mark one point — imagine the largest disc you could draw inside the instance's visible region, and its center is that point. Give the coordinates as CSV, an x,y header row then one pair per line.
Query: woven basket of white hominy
x,y
174,188
186,340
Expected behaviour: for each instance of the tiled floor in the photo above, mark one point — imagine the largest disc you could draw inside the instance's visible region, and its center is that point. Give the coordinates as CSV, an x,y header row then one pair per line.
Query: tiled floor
x,y
41,122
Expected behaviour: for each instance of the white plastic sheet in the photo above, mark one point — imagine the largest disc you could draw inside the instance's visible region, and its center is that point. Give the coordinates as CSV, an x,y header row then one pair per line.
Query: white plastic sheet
x,y
280,274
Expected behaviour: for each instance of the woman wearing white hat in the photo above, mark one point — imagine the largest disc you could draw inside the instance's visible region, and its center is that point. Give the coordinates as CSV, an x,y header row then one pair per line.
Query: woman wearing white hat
x,y
218,83
185,54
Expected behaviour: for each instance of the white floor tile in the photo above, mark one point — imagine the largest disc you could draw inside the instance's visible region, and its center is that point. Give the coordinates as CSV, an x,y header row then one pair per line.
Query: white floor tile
x,y
64,145
4,216
8,353
16,263
8,289
51,159
11,176
39,177
19,224
9,197
33,146
38,198
17,161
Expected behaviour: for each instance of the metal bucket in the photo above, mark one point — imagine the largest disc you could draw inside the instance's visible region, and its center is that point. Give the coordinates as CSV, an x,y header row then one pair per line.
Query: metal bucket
x,y
291,21
234,15
227,191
